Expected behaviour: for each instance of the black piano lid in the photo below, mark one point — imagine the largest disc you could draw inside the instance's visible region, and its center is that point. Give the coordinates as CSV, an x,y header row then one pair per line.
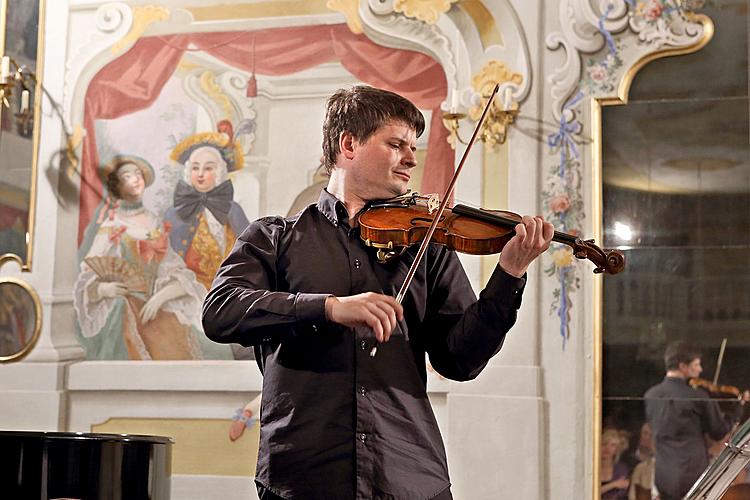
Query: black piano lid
x,y
86,436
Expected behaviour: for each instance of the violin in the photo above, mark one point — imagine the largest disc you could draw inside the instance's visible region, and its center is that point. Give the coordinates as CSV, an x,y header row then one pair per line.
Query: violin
x,y
395,225
717,389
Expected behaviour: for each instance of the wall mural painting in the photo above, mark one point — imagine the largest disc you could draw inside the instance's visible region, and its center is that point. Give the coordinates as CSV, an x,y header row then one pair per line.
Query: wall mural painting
x,y
599,59
168,139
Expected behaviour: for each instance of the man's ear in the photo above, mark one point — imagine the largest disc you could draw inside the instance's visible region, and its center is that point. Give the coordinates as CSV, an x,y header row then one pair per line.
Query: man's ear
x,y
347,142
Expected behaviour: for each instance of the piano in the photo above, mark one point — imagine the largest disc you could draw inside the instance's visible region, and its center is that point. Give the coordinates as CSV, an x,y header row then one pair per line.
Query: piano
x,y
84,466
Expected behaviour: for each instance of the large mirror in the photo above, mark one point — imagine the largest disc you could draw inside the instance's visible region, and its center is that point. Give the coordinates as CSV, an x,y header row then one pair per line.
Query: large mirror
x,y
676,201
21,47
20,319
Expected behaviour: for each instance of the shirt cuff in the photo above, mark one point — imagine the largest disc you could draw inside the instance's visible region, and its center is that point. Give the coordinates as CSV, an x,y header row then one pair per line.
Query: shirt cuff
x,y
505,288
310,309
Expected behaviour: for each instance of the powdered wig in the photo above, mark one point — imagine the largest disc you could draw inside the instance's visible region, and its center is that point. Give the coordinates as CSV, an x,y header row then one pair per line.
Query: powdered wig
x,y
221,165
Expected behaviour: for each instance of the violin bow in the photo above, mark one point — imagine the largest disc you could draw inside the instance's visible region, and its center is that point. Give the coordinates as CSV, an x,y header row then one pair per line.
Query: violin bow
x,y
721,358
443,203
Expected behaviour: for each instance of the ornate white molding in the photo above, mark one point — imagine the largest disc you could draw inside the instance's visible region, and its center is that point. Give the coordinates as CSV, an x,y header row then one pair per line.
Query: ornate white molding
x,y
113,21
383,25
623,28
606,42
143,17
234,85
425,10
350,10
435,33
223,97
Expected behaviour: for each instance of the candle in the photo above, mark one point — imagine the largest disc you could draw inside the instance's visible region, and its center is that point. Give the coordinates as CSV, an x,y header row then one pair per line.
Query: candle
x,y
507,98
24,101
5,69
454,100
458,50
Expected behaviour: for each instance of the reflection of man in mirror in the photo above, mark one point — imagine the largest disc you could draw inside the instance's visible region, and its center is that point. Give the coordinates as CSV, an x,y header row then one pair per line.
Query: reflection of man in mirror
x,y
205,218
679,416
15,315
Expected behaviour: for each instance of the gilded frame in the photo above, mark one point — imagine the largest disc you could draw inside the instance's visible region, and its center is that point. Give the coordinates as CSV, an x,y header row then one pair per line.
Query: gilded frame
x,y
25,265
597,202
37,319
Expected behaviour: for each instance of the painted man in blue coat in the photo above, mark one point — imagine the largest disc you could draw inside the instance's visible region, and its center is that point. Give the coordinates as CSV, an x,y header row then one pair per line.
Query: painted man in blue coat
x,y
205,218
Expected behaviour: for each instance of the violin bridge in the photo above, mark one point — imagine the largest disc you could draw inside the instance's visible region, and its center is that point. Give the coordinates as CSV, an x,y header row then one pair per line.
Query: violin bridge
x,y
433,203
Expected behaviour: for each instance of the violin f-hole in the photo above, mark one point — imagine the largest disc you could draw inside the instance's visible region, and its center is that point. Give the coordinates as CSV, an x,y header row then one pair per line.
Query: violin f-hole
x,y
425,220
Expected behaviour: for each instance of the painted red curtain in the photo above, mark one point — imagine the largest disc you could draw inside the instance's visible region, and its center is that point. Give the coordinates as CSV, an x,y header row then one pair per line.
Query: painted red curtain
x,y
134,81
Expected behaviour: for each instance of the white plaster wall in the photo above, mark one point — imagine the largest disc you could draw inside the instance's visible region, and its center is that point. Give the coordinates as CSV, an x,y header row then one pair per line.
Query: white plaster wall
x,y
496,439
33,390
567,372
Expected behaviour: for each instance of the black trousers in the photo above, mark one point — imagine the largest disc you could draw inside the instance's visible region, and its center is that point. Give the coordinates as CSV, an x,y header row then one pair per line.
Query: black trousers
x,y
265,494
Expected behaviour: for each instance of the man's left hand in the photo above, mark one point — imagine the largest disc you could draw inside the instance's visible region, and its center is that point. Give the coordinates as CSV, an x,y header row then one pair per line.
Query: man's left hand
x,y
532,238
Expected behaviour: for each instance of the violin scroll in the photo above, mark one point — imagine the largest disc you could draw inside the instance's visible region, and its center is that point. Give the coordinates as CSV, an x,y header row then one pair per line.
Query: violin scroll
x,y
606,261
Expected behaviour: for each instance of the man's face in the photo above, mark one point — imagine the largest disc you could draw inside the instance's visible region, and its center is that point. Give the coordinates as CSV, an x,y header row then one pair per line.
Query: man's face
x,y
203,164
645,440
609,448
383,163
692,369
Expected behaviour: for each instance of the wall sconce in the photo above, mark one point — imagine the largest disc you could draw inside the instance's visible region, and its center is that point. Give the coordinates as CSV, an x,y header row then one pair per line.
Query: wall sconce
x,y
494,130
16,79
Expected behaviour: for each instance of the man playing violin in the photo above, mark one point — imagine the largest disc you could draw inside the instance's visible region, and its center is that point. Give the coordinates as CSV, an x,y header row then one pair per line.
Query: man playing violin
x,y
313,301
680,416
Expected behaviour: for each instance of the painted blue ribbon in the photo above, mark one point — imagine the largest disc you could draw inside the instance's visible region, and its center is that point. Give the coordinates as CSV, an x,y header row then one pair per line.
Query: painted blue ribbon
x,y
563,138
607,35
562,312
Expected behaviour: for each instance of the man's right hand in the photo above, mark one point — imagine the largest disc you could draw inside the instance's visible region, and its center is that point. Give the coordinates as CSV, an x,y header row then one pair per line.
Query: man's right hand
x,y
379,312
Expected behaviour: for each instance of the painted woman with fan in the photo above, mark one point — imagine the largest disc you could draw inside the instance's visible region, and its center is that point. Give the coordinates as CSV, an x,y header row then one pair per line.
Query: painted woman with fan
x,y
134,296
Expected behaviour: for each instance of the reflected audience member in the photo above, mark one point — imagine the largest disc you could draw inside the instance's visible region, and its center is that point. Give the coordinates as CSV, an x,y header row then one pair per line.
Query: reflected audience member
x,y
642,481
613,473
642,463
679,416
643,449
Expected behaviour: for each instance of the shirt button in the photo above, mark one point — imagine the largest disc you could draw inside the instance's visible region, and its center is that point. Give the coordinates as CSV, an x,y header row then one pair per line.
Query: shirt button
x,y
315,328
362,390
357,263
363,437
363,345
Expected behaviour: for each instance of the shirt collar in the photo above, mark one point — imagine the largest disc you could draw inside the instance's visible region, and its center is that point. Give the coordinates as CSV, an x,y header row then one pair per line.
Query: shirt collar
x,y
332,208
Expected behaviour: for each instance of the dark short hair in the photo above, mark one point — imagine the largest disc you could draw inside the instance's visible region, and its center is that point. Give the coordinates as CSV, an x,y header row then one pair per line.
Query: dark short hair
x,y
361,111
680,352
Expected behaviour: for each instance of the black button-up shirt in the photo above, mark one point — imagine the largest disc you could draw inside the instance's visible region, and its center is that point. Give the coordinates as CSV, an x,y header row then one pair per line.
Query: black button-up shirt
x,y
337,423
679,416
